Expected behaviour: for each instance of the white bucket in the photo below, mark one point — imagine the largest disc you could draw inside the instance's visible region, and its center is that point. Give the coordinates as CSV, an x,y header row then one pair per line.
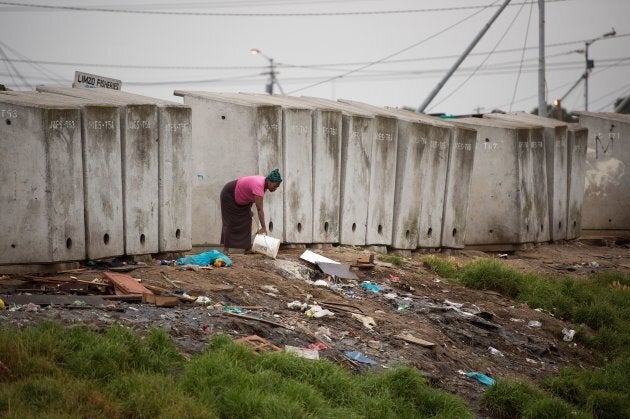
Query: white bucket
x,y
266,245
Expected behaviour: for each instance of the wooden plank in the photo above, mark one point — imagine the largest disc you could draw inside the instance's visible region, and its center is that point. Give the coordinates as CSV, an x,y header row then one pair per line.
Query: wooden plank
x,y
408,337
46,300
126,283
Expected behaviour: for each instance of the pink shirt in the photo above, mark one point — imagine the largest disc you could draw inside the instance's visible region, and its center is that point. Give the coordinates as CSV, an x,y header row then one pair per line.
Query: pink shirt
x,y
247,188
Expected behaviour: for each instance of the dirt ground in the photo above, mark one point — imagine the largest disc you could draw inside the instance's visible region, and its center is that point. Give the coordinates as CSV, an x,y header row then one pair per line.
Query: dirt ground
x,y
472,331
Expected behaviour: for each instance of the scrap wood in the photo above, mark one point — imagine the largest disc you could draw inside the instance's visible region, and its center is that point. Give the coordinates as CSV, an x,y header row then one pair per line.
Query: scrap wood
x,y
45,300
129,298
60,280
219,287
125,283
258,344
244,316
332,304
408,337
167,279
365,262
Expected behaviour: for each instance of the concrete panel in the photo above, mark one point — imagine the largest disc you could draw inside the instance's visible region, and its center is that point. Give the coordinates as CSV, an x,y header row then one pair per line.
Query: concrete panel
x,y
357,133
297,146
140,167
383,175
444,196
102,173
41,174
175,178
174,156
534,179
607,185
326,166
557,171
499,177
231,138
577,142
461,160
411,145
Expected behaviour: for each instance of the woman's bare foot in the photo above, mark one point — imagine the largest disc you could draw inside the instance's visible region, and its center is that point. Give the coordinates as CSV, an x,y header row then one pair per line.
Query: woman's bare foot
x,y
226,251
249,251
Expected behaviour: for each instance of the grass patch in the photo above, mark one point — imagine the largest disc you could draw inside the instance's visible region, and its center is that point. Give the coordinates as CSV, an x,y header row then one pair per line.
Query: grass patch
x,y
443,267
73,372
601,302
393,259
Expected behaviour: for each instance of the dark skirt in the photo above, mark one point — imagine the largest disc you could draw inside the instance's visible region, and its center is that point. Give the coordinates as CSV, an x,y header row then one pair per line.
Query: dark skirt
x,y
236,232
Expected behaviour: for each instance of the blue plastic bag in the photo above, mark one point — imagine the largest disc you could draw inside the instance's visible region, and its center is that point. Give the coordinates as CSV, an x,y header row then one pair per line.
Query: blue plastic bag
x,y
482,378
358,356
204,259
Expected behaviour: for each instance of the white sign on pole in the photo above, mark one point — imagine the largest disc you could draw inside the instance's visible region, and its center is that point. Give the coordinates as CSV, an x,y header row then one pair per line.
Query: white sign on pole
x,y
92,80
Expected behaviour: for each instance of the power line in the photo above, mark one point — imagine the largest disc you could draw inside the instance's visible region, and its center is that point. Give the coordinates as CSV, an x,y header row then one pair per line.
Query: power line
x,y
484,60
235,14
285,65
15,70
391,55
615,64
518,77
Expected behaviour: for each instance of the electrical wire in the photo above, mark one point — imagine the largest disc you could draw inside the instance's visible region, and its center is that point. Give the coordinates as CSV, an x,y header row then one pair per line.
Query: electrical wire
x,y
15,70
391,55
518,77
285,65
482,62
51,75
601,70
234,14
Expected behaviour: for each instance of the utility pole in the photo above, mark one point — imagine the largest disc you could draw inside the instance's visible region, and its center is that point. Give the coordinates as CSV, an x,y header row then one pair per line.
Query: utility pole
x,y
450,72
542,101
590,63
272,72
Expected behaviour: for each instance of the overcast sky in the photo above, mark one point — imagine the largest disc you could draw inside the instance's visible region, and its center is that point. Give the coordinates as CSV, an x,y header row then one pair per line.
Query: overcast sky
x,y
204,45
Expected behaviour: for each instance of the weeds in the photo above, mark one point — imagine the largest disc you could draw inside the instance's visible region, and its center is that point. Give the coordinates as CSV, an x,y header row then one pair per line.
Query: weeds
x,y
77,373
444,268
393,259
600,302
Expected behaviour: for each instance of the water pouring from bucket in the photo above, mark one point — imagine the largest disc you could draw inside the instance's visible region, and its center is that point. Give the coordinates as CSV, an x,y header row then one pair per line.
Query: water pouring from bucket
x,y
266,245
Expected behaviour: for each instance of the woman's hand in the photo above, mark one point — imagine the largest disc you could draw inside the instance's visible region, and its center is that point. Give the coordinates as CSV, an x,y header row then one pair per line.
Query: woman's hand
x,y
263,230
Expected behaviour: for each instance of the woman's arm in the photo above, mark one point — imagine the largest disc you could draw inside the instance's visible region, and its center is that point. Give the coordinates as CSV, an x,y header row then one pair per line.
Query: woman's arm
x,y
258,200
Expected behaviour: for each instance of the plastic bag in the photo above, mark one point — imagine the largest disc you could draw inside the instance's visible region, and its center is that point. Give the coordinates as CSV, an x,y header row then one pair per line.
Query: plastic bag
x,y
204,259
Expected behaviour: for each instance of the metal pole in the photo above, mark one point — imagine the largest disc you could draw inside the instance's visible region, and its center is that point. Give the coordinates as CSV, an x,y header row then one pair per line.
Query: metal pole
x,y
542,102
623,104
588,70
450,72
269,87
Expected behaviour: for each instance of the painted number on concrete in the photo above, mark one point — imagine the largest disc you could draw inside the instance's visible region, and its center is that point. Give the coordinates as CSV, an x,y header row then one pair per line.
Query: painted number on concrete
x,y
463,146
62,123
138,124
417,140
177,127
271,127
437,144
298,129
533,145
8,113
98,124
355,135
490,146
384,136
330,132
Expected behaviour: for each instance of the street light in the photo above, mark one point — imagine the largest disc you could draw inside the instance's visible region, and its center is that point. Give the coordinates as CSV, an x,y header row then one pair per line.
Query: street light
x,y
590,63
272,72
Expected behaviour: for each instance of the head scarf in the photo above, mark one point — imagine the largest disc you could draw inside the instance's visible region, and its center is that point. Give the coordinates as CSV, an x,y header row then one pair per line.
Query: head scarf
x,y
274,176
